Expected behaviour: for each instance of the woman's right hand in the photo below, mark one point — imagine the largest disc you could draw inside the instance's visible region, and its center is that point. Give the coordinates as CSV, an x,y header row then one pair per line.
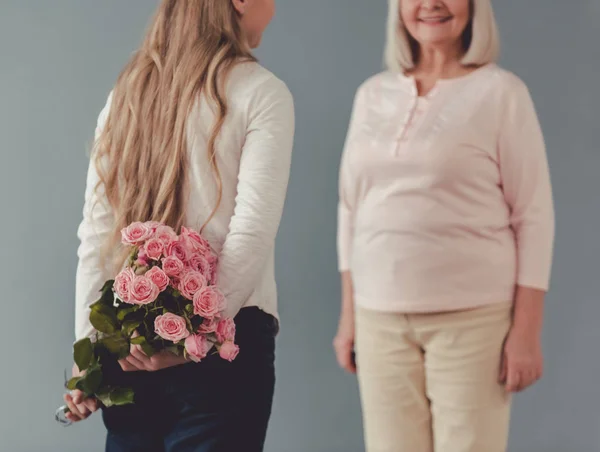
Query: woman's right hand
x,y
80,407
343,344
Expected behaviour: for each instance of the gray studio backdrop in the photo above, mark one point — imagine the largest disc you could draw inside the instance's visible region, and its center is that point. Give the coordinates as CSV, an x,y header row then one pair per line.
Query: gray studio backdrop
x,y
58,60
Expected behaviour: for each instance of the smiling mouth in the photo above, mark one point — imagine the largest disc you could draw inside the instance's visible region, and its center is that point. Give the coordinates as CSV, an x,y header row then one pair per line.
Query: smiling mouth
x,y
435,20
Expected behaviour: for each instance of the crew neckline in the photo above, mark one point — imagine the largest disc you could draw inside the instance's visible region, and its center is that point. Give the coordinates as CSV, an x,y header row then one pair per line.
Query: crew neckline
x,y
443,81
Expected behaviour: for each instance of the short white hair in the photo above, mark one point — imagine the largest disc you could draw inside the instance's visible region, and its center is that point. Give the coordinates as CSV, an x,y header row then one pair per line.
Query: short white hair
x,y
481,40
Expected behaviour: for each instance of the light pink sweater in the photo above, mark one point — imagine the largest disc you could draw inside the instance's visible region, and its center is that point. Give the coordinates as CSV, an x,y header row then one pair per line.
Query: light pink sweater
x,y
445,201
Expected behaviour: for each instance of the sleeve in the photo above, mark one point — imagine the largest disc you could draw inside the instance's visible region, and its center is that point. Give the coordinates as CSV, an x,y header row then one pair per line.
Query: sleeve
x,y
261,191
93,232
345,231
525,179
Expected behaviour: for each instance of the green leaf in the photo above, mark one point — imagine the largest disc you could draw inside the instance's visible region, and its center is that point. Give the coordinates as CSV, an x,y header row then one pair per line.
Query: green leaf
x,y
124,312
83,352
107,298
104,397
80,384
116,344
92,381
129,326
103,318
146,347
189,309
190,326
139,340
121,396
72,383
108,285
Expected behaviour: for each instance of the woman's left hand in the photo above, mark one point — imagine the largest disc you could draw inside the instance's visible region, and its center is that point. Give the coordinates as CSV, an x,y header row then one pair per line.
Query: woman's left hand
x,y
522,359
139,361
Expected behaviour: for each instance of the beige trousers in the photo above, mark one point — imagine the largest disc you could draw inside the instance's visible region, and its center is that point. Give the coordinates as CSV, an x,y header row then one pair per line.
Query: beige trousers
x,y
429,382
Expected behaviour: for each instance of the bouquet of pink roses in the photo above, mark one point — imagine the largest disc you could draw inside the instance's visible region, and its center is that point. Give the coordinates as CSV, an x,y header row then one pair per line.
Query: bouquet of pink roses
x,y
164,299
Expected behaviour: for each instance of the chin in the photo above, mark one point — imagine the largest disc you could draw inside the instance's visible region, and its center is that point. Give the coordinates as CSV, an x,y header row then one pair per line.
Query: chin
x,y
255,43
439,40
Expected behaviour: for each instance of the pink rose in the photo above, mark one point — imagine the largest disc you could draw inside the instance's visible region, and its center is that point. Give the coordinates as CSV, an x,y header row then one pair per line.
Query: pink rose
x,y
178,250
197,347
213,278
122,284
153,225
143,290
142,262
153,249
158,277
229,351
213,260
165,234
208,302
221,301
197,243
174,282
209,326
172,266
226,330
135,234
142,259
190,283
199,263
171,327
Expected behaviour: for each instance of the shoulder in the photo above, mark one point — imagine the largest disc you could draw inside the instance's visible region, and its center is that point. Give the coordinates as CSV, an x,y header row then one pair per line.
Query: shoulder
x,y
514,102
103,116
509,83
377,83
252,83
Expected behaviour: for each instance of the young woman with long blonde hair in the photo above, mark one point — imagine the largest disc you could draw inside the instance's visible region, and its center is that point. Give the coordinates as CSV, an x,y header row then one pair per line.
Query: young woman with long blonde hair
x,y
195,133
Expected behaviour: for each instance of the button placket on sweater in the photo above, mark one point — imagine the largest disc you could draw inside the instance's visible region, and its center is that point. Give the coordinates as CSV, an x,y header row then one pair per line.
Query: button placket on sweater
x,y
411,120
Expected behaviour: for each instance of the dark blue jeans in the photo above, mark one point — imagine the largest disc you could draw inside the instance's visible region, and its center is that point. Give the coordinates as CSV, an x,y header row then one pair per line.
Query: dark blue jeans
x,y
211,406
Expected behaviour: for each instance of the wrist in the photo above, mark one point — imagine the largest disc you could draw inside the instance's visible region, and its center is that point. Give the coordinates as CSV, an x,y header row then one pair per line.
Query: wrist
x,y
528,311
526,329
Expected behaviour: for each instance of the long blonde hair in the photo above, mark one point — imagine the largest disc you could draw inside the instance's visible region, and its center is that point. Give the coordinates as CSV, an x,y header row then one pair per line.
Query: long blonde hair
x,y
141,153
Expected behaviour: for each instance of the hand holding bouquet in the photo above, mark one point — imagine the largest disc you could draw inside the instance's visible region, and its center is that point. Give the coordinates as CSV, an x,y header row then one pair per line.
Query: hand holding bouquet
x,y
165,300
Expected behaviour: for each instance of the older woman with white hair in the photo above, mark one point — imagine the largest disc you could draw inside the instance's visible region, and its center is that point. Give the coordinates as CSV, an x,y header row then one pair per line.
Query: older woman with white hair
x,y
446,230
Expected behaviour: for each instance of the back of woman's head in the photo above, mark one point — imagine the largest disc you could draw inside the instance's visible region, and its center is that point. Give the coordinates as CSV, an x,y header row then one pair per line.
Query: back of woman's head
x,y
141,153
